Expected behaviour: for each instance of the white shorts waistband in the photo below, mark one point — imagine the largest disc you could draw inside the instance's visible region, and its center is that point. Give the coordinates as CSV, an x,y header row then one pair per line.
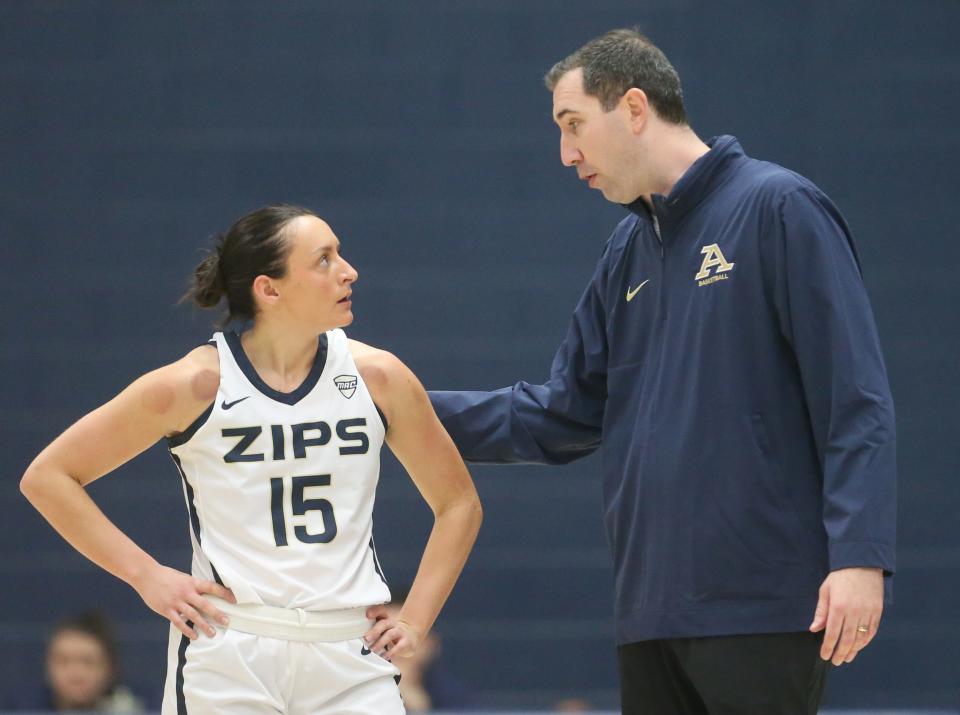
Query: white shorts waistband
x,y
295,624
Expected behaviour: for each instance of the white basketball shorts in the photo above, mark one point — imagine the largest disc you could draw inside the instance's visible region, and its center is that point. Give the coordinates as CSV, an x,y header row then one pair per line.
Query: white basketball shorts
x,y
243,673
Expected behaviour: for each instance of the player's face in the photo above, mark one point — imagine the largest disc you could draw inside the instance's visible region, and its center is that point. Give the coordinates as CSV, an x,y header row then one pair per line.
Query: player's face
x,y
78,669
319,282
596,143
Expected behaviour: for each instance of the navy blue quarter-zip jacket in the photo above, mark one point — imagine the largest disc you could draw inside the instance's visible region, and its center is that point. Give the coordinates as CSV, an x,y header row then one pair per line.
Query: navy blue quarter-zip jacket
x,y
725,357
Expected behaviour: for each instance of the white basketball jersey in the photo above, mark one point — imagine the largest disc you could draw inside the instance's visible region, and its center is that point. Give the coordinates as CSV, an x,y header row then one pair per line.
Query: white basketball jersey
x,y
280,486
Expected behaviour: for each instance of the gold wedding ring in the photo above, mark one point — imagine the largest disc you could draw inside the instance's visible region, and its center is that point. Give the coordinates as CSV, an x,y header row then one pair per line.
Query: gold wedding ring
x,y
863,629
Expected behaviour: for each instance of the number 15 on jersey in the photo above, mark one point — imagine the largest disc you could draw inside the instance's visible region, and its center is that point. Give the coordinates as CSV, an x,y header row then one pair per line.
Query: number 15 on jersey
x,y
300,506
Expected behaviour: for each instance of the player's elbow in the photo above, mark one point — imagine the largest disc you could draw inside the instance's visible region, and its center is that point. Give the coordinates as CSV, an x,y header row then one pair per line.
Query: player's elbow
x,y
477,514
31,483
36,480
473,508
470,516
465,508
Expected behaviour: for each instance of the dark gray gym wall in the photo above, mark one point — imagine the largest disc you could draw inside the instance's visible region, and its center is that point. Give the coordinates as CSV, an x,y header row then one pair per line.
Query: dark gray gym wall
x,y
130,132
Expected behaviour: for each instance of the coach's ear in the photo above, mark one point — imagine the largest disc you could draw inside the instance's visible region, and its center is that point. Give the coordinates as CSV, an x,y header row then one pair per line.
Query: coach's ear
x,y
635,103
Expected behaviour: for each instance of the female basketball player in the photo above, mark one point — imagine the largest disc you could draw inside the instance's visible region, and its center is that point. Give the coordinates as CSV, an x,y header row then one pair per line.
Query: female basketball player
x,y
276,434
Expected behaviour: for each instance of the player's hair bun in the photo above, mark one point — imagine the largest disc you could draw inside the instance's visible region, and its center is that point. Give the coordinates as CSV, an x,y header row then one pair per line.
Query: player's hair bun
x,y
254,245
208,286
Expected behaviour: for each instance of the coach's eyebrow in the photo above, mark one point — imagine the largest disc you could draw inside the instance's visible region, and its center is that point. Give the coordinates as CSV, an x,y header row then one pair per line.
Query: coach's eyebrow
x,y
562,112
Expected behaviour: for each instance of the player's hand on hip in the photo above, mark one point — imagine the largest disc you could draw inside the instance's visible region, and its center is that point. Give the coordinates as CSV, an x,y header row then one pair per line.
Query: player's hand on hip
x,y
848,611
179,597
390,637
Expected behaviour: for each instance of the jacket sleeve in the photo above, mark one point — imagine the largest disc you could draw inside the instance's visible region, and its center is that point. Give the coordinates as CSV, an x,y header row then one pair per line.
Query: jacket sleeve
x,y
825,315
553,423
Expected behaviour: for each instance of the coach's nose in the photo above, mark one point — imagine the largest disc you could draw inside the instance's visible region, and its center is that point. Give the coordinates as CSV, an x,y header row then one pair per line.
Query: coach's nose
x,y
569,154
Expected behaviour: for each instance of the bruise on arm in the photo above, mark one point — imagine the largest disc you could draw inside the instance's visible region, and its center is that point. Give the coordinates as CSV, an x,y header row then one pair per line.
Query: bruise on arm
x,y
197,387
204,384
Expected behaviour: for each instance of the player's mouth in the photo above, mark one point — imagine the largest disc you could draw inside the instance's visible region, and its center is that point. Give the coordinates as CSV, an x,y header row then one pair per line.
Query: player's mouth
x,y
590,179
345,300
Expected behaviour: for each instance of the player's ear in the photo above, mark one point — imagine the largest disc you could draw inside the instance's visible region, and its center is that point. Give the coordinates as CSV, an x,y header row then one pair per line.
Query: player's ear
x,y
264,290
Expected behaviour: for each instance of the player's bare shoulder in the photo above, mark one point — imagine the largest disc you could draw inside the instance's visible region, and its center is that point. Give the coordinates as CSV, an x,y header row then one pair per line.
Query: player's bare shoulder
x,y
184,388
200,371
377,367
390,381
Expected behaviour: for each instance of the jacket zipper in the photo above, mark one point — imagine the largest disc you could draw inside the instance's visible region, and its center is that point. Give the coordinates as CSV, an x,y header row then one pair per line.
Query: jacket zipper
x,y
656,230
661,324
663,266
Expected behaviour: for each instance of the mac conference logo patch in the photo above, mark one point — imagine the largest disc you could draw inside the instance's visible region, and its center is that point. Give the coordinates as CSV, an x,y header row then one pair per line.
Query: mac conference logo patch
x,y
347,384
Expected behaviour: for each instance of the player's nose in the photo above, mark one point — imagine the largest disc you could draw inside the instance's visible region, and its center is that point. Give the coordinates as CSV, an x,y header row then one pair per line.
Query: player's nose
x,y
350,274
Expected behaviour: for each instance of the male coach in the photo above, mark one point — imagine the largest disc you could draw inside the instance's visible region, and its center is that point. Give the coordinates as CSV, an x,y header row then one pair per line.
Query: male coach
x,y
725,356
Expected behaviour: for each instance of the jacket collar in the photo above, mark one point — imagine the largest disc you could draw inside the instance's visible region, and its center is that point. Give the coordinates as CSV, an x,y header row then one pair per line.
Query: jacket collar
x,y
704,175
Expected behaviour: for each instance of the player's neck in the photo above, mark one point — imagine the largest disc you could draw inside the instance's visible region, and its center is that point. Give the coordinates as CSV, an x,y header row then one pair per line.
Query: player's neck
x,y
280,352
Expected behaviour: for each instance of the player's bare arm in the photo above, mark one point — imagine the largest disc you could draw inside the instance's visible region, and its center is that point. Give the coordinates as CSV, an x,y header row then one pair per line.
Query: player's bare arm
x,y
426,451
158,404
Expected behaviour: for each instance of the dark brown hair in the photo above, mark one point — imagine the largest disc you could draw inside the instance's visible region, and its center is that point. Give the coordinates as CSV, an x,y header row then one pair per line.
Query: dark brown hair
x,y
619,60
253,246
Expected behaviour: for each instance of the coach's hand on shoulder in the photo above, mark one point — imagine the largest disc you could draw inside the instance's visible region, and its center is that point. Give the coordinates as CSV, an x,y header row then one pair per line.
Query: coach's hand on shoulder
x,y
849,608
390,637
179,597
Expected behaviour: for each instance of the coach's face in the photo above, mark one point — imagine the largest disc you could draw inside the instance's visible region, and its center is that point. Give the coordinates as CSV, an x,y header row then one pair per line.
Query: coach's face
x,y
601,146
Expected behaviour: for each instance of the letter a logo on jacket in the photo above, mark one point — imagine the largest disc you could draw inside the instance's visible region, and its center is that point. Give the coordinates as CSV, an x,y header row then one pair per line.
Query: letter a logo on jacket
x,y
713,258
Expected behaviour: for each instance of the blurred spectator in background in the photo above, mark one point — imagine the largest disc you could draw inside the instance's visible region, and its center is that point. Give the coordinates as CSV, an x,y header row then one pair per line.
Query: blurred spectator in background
x,y
82,671
573,705
425,683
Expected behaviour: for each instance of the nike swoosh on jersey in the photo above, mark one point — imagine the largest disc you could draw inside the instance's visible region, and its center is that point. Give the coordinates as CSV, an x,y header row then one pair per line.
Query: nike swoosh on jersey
x,y
227,405
631,293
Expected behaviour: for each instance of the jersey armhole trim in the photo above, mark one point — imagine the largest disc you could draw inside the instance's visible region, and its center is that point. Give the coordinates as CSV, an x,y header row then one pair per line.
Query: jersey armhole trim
x,y
184,437
383,417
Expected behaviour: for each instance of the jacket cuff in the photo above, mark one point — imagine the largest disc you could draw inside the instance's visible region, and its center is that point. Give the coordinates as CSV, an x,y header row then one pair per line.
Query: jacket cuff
x,y
867,554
